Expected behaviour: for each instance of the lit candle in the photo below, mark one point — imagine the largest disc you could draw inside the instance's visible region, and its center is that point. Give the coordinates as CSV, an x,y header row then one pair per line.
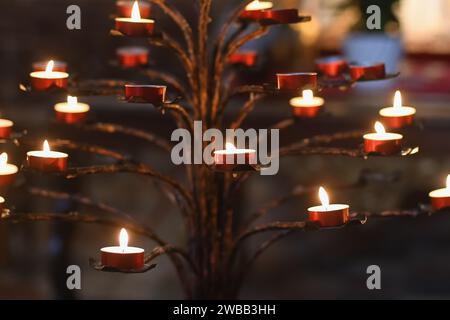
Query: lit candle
x,y
47,160
254,9
71,111
441,198
57,66
131,57
382,142
328,215
2,203
7,171
123,257
398,115
231,157
306,106
297,81
43,80
125,7
5,128
135,25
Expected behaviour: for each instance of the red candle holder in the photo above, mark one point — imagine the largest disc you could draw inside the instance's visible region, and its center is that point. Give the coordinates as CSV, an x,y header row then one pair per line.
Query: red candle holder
x,y
397,116
125,7
297,81
131,57
245,58
331,66
46,160
306,106
39,81
71,117
231,158
282,16
440,198
2,203
388,146
153,94
135,28
72,111
8,171
367,72
133,259
333,216
5,128
59,66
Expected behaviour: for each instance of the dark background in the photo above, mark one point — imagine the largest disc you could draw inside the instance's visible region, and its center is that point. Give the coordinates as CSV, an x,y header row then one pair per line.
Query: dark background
x,y
413,253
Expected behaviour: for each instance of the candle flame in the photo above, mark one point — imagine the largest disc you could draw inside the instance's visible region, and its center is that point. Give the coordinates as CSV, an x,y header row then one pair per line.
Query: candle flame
x,y
379,128
229,146
123,239
72,101
308,95
135,13
49,67
448,182
46,146
3,160
398,100
323,196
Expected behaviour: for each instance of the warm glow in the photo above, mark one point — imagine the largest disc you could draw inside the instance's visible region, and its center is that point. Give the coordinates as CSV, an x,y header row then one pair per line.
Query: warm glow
x,y
323,196
72,101
230,146
49,67
379,128
256,5
308,95
46,146
397,100
135,13
4,160
448,182
123,239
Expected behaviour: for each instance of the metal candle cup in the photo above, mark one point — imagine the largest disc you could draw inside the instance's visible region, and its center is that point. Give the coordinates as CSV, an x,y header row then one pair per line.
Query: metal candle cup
x,y
253,11
441,198
397,116
331,66
368,72
282,16
123,257
5,128
46,160
72,111
297,81
231,157
131,57
125,7
245,58
381,142
8,171
44,80
149,93
306,106
328,215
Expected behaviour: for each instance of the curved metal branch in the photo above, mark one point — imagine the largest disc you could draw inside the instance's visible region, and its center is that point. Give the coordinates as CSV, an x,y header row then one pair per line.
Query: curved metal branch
x,y
169,249
183,113
246,110
353,153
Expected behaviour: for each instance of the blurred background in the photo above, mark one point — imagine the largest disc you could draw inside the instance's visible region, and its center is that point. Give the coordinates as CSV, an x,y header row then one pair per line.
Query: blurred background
x,y
414,254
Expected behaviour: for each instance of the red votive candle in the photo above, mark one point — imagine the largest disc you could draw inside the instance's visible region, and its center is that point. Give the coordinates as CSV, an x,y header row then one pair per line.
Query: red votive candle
x,y
8,171
382,142
441,198
59,66
367,71
5,128
245,58
328,215
282,16
306,106
43,80
253,11
72,111
46,160
135,25
2,203
297,81
231,157
397,116
131,57
331,66
125,7
123,257
148,93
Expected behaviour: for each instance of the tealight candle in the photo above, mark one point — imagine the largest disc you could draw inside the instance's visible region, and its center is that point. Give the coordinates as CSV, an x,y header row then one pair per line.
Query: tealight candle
x,y
246,58
5,128
131,57
254,9
360,72
153,94
46,160
57,66
231,157
2,203
43,80
306,106
281,16
135,25
7,171
123,257
297,81
331,66
441,198
125,7
382,142
71,111
328,215
398,115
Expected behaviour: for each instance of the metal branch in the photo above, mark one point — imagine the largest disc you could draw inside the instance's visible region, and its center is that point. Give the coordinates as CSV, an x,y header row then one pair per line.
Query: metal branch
x,y
353,153
246,109
176,108
116,128
169,249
